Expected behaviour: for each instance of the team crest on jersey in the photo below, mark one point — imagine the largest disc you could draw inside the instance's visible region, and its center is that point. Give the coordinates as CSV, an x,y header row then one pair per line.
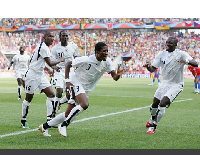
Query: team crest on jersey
x,y
103,68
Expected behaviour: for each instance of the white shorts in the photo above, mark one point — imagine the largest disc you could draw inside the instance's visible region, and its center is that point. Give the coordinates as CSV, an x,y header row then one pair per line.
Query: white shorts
x,y
20,74
34,81
58,81
171,90
78,88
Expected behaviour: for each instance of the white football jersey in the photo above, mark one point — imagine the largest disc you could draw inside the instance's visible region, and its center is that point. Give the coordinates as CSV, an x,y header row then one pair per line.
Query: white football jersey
x,y
89,70
21,62
171,69
37,62
75,47
59,51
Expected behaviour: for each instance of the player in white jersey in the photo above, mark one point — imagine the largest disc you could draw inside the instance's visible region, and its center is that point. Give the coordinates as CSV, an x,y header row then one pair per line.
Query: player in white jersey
x,y
84,79
21,62
74,46
76,52
172,62
35,77
63,49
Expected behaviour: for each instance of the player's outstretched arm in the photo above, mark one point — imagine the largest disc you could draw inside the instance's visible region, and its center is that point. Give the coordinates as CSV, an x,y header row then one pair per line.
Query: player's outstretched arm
x,y
53,63
189,62
116,75
193,63
149,67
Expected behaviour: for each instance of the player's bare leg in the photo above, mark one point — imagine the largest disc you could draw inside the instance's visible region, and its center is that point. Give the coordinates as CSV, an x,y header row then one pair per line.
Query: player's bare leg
x,y
82,100
25,108
50,102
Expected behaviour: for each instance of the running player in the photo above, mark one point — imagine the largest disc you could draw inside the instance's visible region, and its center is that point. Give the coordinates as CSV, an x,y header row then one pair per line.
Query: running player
x,y
84,79
63,49
21,62
35,77
76,50
172,62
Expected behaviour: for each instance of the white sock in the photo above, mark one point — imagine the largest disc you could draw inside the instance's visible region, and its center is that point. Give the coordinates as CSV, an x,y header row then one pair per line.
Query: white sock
x,y
159,114
57,120
19,90
25,107
63,100
73,113
153,113
49,104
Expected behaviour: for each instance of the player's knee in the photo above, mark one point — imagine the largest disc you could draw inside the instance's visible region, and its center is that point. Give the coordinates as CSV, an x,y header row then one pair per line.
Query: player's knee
x,y
58,95
51,95
84,105
29,97
155,103
164,102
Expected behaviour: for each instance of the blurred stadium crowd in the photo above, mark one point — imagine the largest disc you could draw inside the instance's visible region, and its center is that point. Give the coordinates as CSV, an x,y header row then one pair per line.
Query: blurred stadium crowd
x,y
11,22
141,45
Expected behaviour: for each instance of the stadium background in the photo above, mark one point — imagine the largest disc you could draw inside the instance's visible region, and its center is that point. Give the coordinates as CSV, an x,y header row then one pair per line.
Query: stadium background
x,y
135,40
125,105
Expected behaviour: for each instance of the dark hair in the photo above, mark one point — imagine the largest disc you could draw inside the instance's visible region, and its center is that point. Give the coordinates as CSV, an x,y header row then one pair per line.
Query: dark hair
x,y
175,40
61,32
47,33
99,46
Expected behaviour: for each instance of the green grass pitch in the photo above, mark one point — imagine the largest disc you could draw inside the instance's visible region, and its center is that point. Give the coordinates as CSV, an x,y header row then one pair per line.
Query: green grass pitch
x,y
115,119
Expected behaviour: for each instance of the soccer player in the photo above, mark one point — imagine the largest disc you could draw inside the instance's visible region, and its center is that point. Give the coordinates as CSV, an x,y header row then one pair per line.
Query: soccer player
x,y
63,49
172,62
35,77
21,62
84,79
156,75
196,73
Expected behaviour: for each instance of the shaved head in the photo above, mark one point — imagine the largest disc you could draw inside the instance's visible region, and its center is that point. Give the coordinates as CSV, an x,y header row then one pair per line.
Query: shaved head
x,y
174,39
48,33
48,38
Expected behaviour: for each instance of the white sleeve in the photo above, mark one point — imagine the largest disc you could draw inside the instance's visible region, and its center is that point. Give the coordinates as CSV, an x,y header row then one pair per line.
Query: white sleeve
x,y
186,56
44,53
157,61
28,57
14,59
76,50
53,53
79,61
110,66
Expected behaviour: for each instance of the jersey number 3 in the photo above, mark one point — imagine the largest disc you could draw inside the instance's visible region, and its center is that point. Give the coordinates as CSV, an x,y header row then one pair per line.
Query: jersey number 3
x,y
89,65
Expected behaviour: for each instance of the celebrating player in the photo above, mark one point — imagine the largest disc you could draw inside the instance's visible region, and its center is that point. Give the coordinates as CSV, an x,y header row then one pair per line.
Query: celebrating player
x,y
63,49
21,62
35,77
172,62
84,79
76,51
